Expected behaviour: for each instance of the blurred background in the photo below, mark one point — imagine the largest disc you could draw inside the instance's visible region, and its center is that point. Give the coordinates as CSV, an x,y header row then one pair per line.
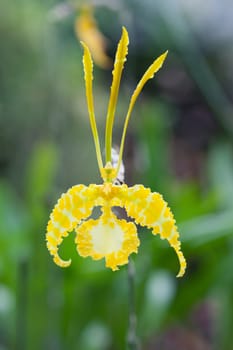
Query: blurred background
x,y
179,143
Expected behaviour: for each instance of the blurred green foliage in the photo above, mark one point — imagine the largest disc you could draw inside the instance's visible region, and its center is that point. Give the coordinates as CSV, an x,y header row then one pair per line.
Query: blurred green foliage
x,y
46,146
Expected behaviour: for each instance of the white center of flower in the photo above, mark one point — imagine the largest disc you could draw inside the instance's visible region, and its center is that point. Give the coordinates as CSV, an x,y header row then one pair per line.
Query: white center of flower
x,y
106,238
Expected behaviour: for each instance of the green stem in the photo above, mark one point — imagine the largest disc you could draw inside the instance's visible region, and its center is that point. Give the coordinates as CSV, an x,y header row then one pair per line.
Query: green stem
x,y
132,339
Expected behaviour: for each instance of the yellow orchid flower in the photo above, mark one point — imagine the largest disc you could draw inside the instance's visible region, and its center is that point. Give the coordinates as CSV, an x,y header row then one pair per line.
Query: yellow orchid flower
x,y
108,236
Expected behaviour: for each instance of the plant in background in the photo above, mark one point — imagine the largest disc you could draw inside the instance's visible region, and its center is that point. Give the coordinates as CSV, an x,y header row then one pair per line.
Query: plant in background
x,y
108,236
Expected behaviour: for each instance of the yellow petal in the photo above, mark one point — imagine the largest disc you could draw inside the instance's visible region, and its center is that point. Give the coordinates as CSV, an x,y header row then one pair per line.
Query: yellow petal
x,y
87,31
88,76
149,209
120,59
109,238
149,74
72,207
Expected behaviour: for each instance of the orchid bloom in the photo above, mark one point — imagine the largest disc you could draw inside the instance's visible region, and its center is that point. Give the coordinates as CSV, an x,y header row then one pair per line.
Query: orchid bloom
x,y
108,236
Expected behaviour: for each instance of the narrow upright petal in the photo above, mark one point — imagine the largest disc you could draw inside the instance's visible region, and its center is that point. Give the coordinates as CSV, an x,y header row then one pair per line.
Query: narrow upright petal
x,y
120,58
149,74
88,76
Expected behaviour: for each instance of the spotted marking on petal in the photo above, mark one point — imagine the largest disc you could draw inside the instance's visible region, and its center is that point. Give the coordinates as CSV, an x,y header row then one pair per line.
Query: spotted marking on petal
x,y
149,209
109,238
73,206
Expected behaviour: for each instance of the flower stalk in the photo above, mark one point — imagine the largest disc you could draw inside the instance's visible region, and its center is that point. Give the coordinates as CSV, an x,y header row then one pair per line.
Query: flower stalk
x,y
132,339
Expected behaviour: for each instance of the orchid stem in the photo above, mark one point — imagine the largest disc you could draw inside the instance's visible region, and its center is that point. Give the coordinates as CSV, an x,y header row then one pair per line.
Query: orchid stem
x,y
132,339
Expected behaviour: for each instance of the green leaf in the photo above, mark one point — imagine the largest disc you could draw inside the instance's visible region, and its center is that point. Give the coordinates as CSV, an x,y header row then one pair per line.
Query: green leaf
x,y
207,228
